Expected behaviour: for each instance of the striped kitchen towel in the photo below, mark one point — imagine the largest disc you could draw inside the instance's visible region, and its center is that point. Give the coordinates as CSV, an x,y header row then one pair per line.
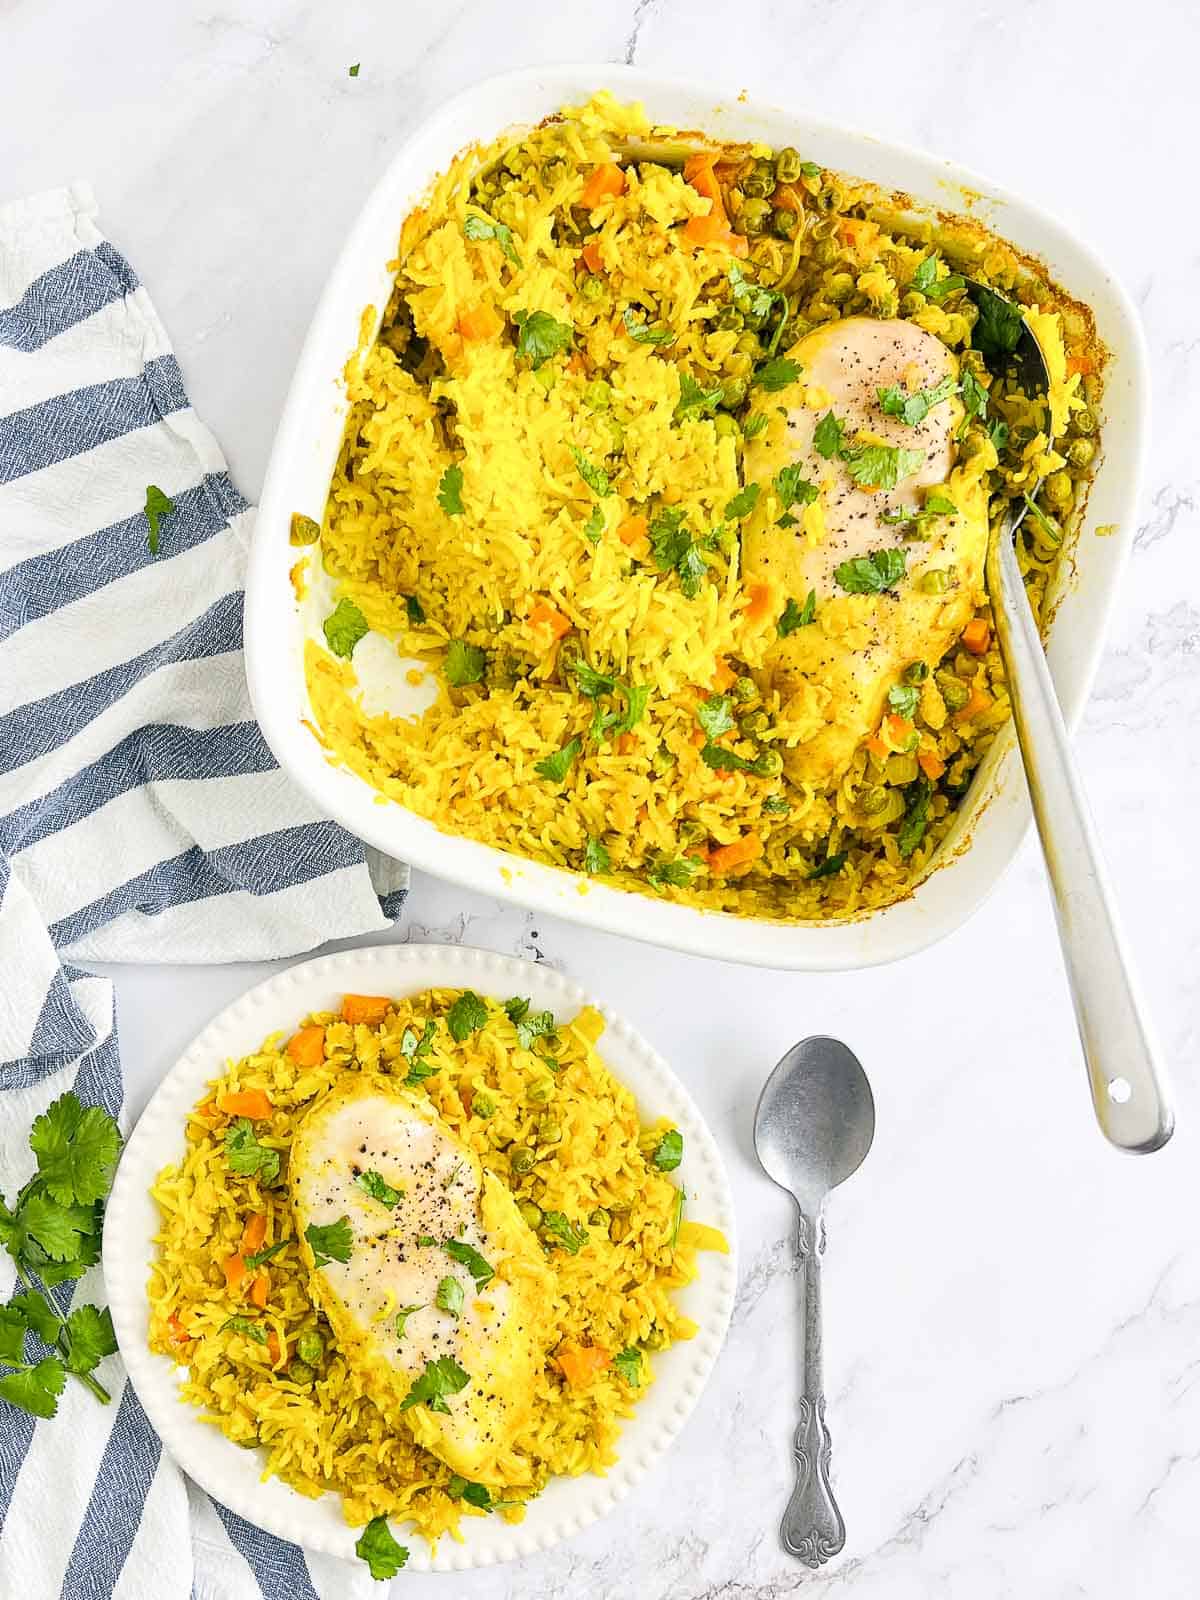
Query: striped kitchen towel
x,y
142,818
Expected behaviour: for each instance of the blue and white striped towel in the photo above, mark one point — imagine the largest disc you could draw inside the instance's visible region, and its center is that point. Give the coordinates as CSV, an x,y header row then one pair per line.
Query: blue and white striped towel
x,y
142,818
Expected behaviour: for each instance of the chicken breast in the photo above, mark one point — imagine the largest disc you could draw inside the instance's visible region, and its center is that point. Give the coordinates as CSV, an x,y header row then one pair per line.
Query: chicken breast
x,y
419,1210
834,674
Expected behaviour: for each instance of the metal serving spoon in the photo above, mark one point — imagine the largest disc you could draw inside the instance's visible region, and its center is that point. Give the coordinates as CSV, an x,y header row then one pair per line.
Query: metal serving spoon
x,y
813,1128
1127,1082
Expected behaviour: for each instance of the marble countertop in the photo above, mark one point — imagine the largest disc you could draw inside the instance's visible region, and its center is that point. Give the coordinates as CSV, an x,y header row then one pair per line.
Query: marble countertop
x,y
1013,1335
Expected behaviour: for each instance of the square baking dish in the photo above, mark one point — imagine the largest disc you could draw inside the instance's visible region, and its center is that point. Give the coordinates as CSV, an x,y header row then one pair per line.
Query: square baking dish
x,y
994,816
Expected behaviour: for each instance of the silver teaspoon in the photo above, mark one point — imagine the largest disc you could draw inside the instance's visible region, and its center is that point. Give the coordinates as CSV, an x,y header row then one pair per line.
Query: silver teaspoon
x,y
813,1127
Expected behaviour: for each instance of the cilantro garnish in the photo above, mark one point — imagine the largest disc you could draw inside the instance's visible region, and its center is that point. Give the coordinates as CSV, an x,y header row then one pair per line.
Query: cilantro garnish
x,y
794,616
756,302
830,867
643,332
792,488
157,507
715,715
904,698
592,683
881,466
678,874
374,1184
1050,529
377,1547
925,279
244,1326
534,1025
828,436
998,434
344,627
695,401
440,1378
676,551
776,374
554,768
998,326
451,1297
743,503
467,1256
872,574
479,227
809,169
668,1153
333,1242
912,409
449,495
594,526
354,69
677,1220
596,858
466,1016
246,1156
564,1232
516,1008
416,611
475,1494
465,663
415,1049
540,336
753,425
594,477
628,1365
975,399
721,760
259,1256
916,817
404,1313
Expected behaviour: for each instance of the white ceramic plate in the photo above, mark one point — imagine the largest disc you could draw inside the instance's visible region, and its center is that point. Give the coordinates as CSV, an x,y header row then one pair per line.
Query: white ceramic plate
x,y
231,1473
996,814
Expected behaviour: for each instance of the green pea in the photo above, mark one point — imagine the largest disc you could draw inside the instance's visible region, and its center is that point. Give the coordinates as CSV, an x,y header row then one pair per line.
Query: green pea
x,y
936,581
662,761
745,689
750,344
300,1372
733,392
754,723
540,1091
546,376
839,288
617,1229
916,672
825,250
788,164
597,396
754,216
1060,491
786,222
592,287
729,318
549,1130
598,1218
521,1158
483,1106
872,800
570,652
531,1214
656,1339
726,426
767,764
738,364
310,1347
954,691
553,172
1084,421
760,183
1081,452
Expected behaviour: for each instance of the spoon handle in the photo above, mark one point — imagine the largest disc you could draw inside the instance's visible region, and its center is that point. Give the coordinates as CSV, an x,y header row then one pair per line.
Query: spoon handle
x,y
1126,1081
812,1529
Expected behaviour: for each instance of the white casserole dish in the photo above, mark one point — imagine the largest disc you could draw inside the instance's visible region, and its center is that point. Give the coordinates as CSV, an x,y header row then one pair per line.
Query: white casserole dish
x,y
994,817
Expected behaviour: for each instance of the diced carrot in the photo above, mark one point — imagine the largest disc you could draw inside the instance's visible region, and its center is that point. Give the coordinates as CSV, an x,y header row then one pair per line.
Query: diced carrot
x,y
591,257
252,1103
626,744
976,636
484,322
275,1351
699,738
177,1334
899,730
857,232
604,180
1081,363
714,229
368,1008
977,703
254,1232
699,171
580,1363
760,602
544,615
789,197
877,747
632,529
727,856
931,764
576,363
307,1048
259,1290
724,677
234,1268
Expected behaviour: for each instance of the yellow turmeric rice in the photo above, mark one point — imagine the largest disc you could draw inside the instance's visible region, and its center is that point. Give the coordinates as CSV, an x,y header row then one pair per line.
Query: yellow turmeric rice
x,y
528,1095
543,495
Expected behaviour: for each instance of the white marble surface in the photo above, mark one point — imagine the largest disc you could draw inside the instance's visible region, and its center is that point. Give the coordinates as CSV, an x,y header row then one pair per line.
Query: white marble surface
x,y
1013,1309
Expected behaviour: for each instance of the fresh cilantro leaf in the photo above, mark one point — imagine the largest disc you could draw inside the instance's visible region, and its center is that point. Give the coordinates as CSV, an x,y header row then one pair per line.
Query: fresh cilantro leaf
x,y
594,526
668,1152
721,760
941,287
39,1315
776,374
76,1149
628,1365
795,616
14,1325
633,698
57,1229
715,715
792,488
449,495
416,611
245,1155
440,1378
677,1220
534,1026
554,768
467,1256
828,436
592,683
750,298
157,507
872,574
540,336
596,858
596,480
916,817
89,1338
564,1232
912,409
974,396
643,332
377,1547
451,1297
881,466
466,1016
35,1390
830,867
904,699
743,503
925,279
695,401
419,1072
998,434
809,169
414,1046
678,873
516,1008
374,1184
753,426
1051,529
477,227
776,805
475,1494
354,70
333,1242
52,1272
937,505
465,663
259,1256
998,325
674,549
344,627
405,1312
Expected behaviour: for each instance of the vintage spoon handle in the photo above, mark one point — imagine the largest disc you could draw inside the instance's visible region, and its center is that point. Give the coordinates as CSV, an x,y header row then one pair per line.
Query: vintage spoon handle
x,y
1127,1084
812,1527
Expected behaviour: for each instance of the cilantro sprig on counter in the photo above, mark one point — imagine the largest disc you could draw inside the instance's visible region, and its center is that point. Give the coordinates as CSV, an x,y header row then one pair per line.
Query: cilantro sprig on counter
x,y
52,1233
